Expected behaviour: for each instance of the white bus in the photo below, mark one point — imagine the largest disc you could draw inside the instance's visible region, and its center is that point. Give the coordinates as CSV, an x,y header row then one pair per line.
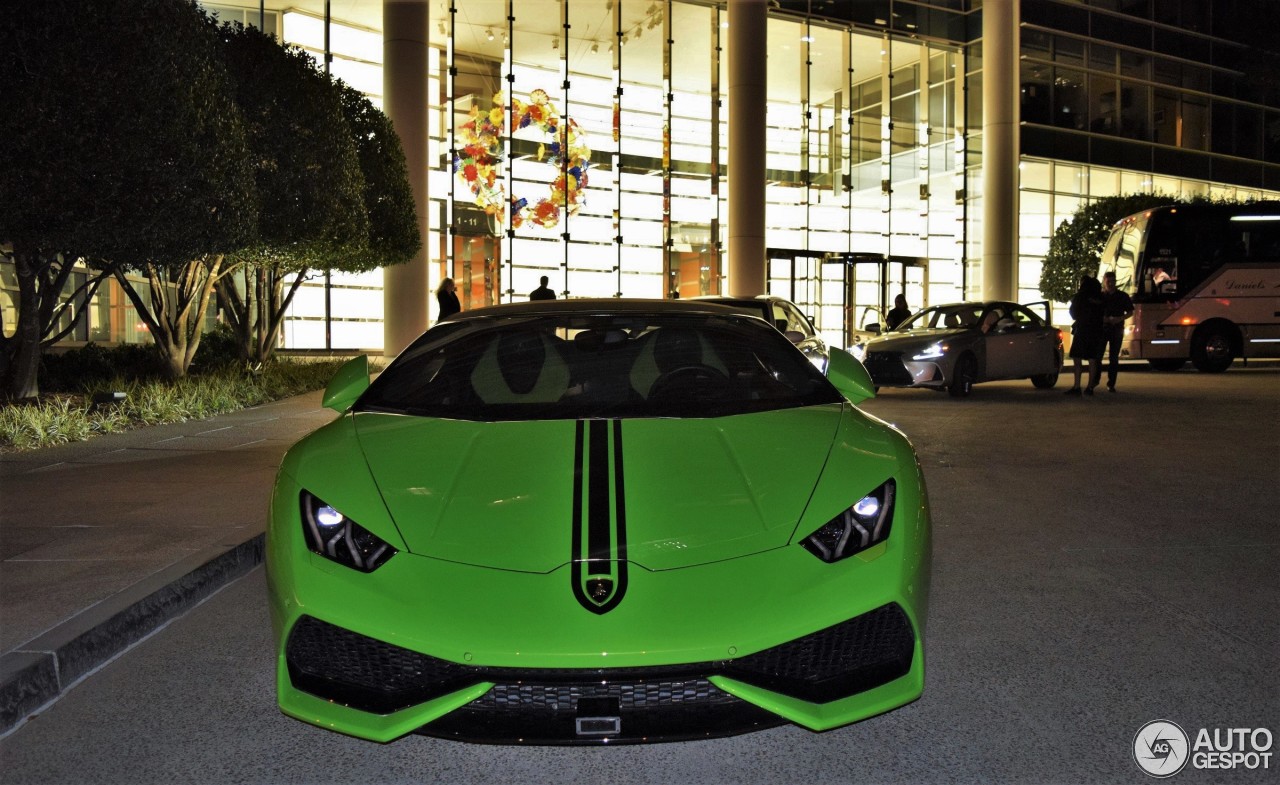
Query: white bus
x,y
1205,283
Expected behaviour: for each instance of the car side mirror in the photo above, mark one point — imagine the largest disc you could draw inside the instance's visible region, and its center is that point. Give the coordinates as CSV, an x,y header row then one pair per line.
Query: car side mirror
x,y
850,377
795,336
874,327
347,384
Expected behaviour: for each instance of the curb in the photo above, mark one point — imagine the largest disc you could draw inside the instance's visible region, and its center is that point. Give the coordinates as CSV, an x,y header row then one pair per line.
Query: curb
x,y
41,670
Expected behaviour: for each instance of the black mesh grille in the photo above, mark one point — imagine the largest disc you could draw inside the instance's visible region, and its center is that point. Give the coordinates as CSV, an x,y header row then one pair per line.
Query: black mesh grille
x,y
365,673
639,709
630,695
886,368
863,652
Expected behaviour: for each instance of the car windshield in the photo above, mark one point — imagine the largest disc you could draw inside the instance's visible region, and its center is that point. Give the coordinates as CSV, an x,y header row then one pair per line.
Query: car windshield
x,y
573,366
944,317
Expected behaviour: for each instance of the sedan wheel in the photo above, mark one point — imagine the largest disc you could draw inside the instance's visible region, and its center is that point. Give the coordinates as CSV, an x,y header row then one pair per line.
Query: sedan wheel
x,y
1046,380
966,373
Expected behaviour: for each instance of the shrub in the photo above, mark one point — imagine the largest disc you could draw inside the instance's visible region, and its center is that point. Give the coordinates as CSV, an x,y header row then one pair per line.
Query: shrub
x,y
77,370
64,418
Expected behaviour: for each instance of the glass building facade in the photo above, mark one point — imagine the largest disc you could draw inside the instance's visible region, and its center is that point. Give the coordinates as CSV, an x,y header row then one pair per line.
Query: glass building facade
x,y
874,142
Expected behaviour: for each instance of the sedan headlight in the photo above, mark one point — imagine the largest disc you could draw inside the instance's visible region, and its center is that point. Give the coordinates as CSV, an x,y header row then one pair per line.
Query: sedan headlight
x,y
933,352
859,527
335,536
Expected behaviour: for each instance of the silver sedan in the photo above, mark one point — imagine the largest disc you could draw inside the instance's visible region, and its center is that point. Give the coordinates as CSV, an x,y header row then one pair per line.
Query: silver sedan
x,y
953,347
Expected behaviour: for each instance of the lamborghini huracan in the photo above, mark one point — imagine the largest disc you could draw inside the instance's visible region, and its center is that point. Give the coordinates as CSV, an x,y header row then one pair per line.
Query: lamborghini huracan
x,y
598,522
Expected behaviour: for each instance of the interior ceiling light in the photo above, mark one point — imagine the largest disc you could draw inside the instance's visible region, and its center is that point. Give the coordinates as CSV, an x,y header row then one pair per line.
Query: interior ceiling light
x,y
595,47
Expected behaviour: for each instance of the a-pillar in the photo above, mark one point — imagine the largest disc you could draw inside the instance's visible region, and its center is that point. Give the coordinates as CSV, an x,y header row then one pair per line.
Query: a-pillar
x,y
748,81
999,149
406,287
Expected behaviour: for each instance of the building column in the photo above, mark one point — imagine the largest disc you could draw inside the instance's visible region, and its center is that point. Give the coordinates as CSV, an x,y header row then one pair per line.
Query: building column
x,y
748,79
1000,150
405,287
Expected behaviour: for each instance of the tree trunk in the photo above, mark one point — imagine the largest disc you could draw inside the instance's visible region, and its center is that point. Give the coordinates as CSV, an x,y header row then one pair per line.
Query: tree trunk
x,y
21,380
175,315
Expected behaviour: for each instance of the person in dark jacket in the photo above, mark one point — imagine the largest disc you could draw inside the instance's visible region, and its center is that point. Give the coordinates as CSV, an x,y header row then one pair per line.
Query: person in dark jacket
x,y
1116,308
898,314
1087,334
543,292
447,297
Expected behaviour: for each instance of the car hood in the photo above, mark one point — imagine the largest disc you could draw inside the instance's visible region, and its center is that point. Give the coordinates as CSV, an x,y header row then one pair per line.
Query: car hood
x,y
901,342
678,492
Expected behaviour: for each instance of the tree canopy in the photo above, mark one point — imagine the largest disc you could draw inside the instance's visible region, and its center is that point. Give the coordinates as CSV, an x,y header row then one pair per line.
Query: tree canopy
x,y
122,146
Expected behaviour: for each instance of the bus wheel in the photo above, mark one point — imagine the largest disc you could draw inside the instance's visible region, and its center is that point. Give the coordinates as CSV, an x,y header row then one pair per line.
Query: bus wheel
x,y
1167,364
964,374
1211,349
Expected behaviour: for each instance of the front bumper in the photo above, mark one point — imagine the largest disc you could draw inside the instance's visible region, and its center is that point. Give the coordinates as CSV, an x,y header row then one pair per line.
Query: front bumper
x,y
706,651
891,369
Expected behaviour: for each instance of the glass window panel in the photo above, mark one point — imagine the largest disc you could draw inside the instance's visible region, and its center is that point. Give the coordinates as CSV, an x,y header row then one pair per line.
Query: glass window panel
x,y
1103,182
1068,178
1069,100
1069,51
357,335
1135,101
642,232
590,256
641,260
1035,173
1102,58
1104,111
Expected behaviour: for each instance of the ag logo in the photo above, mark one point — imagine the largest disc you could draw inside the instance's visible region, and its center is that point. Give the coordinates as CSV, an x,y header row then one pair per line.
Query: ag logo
x,y
1160,748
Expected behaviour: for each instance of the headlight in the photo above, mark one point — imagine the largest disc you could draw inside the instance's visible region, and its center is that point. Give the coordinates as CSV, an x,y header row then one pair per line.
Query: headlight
x,y
863,525
932,353
335,536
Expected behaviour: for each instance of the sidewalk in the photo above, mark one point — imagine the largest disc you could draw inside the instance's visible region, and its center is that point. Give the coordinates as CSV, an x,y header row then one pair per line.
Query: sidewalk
x,y
104,541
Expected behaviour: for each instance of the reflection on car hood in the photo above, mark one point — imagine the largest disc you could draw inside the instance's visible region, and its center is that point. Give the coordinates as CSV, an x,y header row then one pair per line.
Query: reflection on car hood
x,y
511,495
901,342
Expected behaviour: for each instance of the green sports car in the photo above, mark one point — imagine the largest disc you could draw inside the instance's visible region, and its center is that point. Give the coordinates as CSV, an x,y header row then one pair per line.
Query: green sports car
x,y
598,521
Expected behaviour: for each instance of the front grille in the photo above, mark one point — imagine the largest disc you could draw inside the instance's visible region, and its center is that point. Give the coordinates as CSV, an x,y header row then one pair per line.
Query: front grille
x,y
886,369
637,694
645,705
652,704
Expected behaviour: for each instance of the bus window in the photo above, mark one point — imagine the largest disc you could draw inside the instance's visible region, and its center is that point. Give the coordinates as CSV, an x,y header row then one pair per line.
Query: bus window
x,y
1120,255
1161,275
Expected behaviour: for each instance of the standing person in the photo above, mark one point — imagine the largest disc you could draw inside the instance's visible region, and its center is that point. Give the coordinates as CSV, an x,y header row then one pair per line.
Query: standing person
x,y
543,292
447,297
1116,308
899,313
1087,335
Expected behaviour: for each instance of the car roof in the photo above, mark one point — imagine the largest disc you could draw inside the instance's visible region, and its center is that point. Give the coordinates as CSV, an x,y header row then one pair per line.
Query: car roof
x,y
601,305
971,304
746,298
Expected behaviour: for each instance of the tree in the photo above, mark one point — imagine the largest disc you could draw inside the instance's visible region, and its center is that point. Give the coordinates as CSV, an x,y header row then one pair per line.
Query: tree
x,y
388,198
1076,245
122,146
309,183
